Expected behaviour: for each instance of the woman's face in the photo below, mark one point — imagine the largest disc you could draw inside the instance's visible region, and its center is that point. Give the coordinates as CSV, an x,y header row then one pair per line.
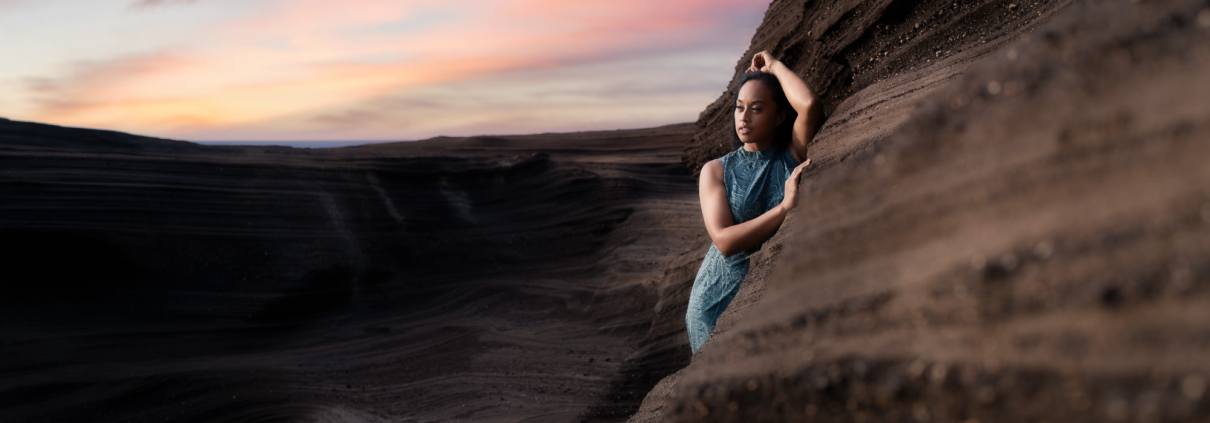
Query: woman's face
x,y
756,116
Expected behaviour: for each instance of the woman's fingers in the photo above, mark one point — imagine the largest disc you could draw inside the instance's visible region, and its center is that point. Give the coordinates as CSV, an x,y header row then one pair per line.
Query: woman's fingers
x,y
798,170
801,166
759,60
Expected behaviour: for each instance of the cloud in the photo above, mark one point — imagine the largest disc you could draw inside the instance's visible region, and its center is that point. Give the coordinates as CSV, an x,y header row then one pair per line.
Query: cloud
x,y
616,94
147,4
312,68
98,78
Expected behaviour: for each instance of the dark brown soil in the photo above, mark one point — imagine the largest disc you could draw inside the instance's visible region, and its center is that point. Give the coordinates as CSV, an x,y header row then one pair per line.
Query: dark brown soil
x,y
1008,220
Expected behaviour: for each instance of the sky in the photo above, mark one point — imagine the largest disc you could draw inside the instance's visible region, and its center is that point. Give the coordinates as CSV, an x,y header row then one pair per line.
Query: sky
x,y
302,70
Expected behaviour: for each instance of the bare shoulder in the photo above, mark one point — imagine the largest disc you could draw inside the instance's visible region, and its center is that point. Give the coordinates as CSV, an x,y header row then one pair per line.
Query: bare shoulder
x,y
712,171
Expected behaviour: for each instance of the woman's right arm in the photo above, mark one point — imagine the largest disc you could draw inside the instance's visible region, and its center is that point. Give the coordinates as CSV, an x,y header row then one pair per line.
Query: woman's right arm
x,y
728,237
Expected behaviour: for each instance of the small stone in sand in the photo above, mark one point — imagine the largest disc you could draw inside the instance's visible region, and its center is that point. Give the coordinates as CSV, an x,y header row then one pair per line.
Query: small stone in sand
x,y
1193,386
1043,250
993,87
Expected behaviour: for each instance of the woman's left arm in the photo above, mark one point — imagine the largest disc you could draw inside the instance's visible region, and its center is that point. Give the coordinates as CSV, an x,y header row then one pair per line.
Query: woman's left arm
x,y
810,114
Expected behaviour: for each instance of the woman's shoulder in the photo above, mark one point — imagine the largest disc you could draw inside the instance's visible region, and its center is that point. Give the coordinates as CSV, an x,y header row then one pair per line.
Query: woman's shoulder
x,y
713,169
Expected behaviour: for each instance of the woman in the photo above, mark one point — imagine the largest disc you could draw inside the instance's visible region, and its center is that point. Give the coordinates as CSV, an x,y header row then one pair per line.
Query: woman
x,y
746,194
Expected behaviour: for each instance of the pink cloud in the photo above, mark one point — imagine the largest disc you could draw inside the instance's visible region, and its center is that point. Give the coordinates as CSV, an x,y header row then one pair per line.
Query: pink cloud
x,y
99,78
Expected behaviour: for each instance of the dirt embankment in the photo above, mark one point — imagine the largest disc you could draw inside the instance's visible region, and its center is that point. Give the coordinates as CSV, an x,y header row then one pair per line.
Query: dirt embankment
x,y
1008,219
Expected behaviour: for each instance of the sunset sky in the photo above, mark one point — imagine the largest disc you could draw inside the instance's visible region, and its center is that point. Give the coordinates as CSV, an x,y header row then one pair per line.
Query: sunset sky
x,y
367,69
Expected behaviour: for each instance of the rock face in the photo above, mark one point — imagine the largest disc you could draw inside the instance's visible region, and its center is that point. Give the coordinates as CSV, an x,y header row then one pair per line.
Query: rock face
x,y
1007,219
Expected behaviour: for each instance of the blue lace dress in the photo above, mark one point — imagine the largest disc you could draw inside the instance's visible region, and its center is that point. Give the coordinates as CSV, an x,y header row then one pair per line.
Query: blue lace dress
x,y
754,182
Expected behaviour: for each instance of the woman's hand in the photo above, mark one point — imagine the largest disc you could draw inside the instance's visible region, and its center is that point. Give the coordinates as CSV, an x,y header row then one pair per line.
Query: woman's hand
x,y
790,194
762,61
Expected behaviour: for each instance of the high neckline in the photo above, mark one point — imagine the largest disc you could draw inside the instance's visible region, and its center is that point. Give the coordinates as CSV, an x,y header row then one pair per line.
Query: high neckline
x,y
765,154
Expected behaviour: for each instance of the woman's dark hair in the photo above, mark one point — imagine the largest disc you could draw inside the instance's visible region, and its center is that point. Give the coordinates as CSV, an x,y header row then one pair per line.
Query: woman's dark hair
x,y
784,133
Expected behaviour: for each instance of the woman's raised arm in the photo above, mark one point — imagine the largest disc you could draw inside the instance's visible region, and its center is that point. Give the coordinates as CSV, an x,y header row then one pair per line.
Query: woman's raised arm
x,y
810,114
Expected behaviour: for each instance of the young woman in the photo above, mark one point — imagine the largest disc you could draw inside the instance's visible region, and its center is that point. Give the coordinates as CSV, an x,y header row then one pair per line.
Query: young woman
x,y
746,194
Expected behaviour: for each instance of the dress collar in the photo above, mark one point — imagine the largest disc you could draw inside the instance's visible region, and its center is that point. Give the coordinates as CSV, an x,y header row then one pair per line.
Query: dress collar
x,y
766,154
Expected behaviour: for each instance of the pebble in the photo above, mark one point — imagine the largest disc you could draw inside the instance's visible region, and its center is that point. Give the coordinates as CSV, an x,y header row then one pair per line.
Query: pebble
x,y
1193,386
1181,278
1011,88
938,373
1009,261
879,160
859,368
1117,409
1148,408
920,412
1001,266
916,369
1043,250
986,395
1080,402
978,262
969,375
993,87
957,102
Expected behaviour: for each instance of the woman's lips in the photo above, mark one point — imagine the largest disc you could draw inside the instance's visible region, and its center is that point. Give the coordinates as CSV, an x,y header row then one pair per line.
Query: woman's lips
x,y
744,130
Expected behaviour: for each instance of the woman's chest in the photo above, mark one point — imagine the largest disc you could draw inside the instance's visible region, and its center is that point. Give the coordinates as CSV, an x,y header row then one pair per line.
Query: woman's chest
x,y
754,187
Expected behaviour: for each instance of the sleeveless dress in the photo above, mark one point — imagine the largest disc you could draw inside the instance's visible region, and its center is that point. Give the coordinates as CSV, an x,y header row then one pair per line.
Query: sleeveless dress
x,y
754,182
